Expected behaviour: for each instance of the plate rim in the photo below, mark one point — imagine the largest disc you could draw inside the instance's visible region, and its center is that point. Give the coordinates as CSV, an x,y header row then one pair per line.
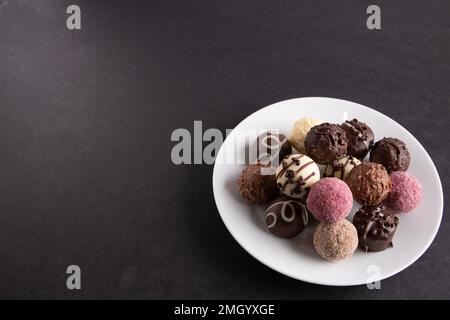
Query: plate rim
x,y
416,257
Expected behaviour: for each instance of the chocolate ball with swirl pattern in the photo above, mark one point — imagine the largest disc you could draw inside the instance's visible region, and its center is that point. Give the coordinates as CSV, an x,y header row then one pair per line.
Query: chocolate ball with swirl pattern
x,y
296,174
376,226
286,217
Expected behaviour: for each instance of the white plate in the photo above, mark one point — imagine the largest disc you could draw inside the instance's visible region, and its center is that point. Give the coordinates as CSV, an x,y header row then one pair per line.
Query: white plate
x,y
297,258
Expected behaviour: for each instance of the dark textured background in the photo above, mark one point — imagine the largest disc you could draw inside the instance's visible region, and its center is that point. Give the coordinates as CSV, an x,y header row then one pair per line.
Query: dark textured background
x,y
86,118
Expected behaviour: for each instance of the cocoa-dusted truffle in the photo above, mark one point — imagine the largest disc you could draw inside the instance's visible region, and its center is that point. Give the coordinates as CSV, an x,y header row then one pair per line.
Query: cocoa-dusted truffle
x,y
255,186
376,227
392,153
286,217
369,182
272,147
360,138
336,240
325,143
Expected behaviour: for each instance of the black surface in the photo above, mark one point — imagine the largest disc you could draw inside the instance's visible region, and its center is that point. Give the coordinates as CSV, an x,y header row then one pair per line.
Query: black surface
x,y
86,118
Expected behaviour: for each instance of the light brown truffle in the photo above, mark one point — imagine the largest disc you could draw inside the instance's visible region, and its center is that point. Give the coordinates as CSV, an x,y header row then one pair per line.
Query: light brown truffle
x,y
335,241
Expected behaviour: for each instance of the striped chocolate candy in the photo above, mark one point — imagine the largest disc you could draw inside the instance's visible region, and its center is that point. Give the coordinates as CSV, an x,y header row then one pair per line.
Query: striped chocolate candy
x,y
296,174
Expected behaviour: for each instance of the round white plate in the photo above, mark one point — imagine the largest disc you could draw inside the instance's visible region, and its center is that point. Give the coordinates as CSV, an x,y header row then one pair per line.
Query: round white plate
x,y
297,258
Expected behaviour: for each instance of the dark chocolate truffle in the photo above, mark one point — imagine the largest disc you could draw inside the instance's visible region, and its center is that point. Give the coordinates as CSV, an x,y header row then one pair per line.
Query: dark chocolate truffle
x,y
376,227
272,147
255,186
286,217
325,143
392,153
369,182
360,138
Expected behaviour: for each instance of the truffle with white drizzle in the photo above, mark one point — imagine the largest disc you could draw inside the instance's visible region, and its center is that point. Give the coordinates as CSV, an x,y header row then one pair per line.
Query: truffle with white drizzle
x,y
341,167
296,174
376,226
360,138
286,217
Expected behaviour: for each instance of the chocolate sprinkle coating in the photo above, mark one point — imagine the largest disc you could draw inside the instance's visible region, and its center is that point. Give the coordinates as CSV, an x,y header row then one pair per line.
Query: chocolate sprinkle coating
x,y
369,182
392,153
376,226
257,188
360,138
325,143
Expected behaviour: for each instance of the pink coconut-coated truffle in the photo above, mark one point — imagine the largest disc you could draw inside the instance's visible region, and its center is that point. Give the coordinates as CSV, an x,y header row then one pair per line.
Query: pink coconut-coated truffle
x,y
330,200
406,193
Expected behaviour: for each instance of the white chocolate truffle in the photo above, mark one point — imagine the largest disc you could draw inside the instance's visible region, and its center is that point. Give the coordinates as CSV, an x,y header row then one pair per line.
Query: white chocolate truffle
x,y
296,174
300,130
341,167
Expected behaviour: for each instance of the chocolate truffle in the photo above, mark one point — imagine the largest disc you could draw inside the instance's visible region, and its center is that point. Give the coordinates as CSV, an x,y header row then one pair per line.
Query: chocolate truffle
x,y
340,168
300,130
391,153
369,182
336,240
296,174
376,227
272,147
255,186
360,138
286,217
325,143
